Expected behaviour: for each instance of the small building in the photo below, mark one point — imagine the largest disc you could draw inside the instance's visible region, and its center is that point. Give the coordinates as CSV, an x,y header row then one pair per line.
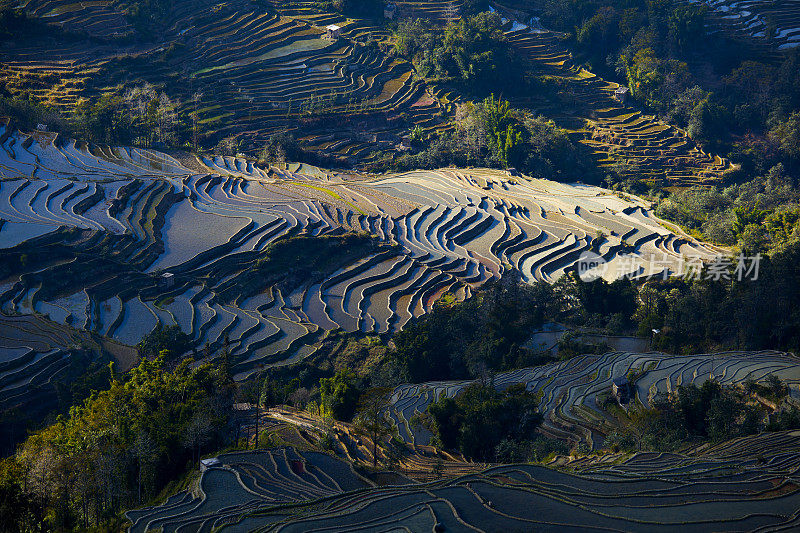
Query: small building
x,y
205,464
167,280
621,389
389,11
333,32
622,94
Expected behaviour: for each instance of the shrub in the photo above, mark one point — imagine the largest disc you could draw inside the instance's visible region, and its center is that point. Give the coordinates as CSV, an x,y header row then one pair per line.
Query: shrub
x,y
482,422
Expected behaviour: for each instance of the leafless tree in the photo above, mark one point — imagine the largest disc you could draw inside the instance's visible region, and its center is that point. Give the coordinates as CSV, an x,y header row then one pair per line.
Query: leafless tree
x,y
372,419
198,433
144,449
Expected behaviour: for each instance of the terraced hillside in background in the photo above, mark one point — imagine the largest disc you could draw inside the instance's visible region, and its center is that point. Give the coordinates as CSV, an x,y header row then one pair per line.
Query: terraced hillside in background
x,y
39,362
254,74
257,73
443,12
106,19
89,231
571,389
745,484
774,23
620,136
96,18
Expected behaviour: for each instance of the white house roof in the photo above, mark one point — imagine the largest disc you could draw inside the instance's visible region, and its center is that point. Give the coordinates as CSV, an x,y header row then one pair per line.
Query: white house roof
x,y
333,27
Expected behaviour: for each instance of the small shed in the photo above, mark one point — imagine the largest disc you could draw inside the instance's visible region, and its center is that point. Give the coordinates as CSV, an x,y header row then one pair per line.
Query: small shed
x,y
389,11
167,280
333,32
622,94
621,389
205,464
41,127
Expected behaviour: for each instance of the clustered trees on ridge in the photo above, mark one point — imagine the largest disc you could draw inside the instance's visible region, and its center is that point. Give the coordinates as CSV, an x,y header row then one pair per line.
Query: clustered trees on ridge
x,y
480,419
471,52
491,133
708,412
119,448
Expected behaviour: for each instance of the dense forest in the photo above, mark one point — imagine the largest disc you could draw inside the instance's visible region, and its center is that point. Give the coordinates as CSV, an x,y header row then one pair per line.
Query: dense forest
x,y
118,448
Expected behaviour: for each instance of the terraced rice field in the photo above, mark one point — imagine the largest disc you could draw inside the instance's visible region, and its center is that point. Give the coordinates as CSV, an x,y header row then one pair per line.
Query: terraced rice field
x,y
413,461
246,480
36,354
106,20
32,353
258,73
615,133
776,23
570,388
263,73
443,12
98,18
746,484
451,231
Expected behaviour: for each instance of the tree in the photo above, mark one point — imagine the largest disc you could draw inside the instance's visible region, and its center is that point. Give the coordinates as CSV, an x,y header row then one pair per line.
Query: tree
x,y
446,420
599,35
123,444
18,511
654,81
480,418
503,131
145,452
372,419
723,416
280,147
171,340
339,395
196,97
153,115
687,25
199,432
508,144
786,135
438,468
471,51
105,120
548,152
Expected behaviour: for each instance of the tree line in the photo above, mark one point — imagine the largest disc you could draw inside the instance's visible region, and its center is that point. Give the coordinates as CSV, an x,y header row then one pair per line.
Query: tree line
x,y
118,448
141,115
471,53
491,133
709,412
